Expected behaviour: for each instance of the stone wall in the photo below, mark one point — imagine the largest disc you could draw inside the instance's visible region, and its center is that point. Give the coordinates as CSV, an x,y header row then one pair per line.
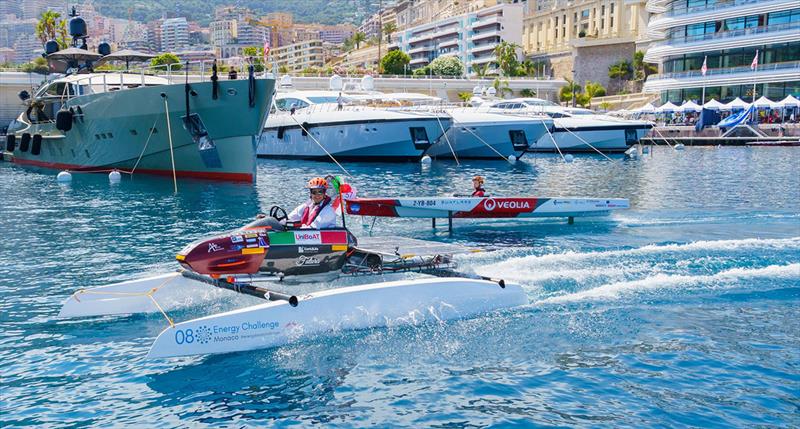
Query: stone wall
x,y
592,62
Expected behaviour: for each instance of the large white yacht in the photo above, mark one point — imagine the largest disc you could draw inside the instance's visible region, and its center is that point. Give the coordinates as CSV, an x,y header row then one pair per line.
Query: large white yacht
x,y
311,125
484,135
574,130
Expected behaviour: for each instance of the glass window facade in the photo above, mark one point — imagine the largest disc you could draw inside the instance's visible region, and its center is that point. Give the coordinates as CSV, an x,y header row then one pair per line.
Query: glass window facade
x,y
767,54
775,91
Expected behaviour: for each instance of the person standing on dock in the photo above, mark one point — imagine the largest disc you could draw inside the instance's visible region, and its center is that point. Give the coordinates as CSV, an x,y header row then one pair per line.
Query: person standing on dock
x,y
477,183
339,101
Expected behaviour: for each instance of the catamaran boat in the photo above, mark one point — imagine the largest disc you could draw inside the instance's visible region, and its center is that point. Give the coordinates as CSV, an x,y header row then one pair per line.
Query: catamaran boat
x,y
136,122
311,125
574,130
484,135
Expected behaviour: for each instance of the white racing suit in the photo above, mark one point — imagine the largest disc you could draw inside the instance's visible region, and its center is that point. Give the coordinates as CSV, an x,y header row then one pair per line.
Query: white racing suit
x,y
315,216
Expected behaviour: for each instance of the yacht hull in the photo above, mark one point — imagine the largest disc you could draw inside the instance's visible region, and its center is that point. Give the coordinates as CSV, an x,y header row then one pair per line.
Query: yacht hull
x,y
356,140
605,139
128,130
487,140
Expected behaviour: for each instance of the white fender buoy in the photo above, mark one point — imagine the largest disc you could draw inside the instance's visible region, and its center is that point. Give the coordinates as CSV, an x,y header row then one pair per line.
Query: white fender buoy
x,y
679,146
426,160
645,149
633,152
64,177
568,158
114,177
512,158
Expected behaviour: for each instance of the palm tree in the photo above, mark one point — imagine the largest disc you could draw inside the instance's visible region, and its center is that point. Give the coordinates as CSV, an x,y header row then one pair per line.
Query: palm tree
x,y
389,28
465,96
506,54
501,87
50,27
358,38
527,92
481,70
528,68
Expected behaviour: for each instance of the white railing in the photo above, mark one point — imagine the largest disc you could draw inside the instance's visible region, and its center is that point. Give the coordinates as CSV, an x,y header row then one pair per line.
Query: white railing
x,y
791,65
727,35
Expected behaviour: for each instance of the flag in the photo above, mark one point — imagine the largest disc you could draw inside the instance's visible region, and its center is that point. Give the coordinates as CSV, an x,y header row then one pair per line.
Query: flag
x,y
704,69
754,64
266,50
342,191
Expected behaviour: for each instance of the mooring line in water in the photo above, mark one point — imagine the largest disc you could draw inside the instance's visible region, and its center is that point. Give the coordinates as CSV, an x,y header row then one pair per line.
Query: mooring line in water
x,y
488,145
321,147
554,143
444,134
587,144
169,136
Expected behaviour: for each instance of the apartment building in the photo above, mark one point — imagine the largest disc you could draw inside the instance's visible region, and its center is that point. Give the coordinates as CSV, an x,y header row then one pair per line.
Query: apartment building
x,y
472,37
174,34
742,42
299,56
586,36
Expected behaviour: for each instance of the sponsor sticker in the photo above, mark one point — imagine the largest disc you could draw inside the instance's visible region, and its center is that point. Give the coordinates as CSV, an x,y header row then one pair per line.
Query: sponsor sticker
x,y
339,247
236,239
255,251
214,247
310,237
307,249
355,208
304,260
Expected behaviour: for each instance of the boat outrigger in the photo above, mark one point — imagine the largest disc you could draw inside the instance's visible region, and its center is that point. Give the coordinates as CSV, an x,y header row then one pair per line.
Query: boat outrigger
x,y
271,251
484,207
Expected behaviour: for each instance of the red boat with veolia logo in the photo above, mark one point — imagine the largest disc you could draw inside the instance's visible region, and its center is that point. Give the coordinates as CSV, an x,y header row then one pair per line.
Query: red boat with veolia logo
x,y
484,207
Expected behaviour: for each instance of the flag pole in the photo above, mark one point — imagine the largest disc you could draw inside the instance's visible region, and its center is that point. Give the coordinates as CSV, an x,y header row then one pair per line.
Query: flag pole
x,y
705,68
755,70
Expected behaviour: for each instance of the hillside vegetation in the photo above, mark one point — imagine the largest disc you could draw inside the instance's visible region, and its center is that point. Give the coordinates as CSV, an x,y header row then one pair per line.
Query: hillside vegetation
x,y
305,11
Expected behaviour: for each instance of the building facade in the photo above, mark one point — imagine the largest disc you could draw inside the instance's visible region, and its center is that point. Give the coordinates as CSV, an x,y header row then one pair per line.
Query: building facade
x,y
581,39
174,34
472,37
742,42
299,56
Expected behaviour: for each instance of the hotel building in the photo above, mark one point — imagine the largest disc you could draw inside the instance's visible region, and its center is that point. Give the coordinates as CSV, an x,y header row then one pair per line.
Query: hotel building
x,y
299,56
472,37
727,34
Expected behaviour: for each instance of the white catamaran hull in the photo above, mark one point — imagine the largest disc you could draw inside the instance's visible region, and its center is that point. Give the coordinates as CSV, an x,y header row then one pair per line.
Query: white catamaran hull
x,y
408,302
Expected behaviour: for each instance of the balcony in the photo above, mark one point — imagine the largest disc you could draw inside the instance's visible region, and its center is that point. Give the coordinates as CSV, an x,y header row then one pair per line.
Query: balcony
x,y
483,48
419,50
485,34
776,33
494,19
420,38
452,42
777,72
729,9
483,60
453,29
421,60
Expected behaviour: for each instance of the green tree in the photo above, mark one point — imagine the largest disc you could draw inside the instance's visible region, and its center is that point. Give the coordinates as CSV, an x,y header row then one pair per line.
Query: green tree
x,y
506,54
465,96
481,70
501,87
166,59
641,68
527,92
621,70
422,71
38,65
566,92
395,62
358,39
594,89
388,29
283,69
256,57
605,106
51,27
447,66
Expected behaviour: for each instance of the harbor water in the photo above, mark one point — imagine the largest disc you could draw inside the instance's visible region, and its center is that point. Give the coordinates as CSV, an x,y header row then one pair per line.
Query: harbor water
x,y
682,311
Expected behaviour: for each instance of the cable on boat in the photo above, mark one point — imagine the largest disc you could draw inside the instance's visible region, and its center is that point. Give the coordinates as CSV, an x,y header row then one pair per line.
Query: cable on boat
x,y
169,135
444,134
488,145
587,144
321,147
143,149
148,294
663,137
554,143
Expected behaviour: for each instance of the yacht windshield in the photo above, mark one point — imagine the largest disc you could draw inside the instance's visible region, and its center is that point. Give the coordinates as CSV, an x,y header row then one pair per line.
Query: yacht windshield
x,y
540,103
317,100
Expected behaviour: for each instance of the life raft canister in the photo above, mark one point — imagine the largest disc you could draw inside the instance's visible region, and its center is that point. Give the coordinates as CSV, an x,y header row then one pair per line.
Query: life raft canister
x,y
64,120
25,142
36,147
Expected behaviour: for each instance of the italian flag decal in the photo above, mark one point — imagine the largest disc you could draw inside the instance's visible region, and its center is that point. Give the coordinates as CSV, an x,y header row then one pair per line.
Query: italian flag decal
x,y
307,237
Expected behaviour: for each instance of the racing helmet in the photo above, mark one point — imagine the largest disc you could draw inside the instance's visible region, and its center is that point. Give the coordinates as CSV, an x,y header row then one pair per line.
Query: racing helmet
x,y
317,183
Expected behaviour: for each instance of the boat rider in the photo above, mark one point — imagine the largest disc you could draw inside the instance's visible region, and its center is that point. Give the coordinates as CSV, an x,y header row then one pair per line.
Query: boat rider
x,y
477,183
317,212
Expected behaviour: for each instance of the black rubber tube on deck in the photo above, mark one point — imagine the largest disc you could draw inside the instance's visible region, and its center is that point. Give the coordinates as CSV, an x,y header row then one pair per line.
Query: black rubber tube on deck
x,y
242,288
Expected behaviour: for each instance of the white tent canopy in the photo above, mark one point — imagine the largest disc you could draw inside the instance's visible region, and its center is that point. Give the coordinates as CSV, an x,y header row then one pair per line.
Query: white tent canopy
x,y
667,107
690,106
647,108
737,104
713,104
766,103
789,101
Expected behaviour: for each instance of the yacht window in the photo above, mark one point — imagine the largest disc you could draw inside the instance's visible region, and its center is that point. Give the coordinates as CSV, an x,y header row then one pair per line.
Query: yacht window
x,y
518,140
420,137
630,136
317,100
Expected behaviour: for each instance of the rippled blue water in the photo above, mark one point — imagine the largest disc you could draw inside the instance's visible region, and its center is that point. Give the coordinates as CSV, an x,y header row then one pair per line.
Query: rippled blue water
x,y
682,311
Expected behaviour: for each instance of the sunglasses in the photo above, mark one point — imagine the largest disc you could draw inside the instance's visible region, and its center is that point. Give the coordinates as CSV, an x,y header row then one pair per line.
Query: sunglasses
x,y
317,192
